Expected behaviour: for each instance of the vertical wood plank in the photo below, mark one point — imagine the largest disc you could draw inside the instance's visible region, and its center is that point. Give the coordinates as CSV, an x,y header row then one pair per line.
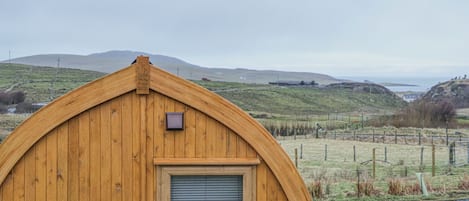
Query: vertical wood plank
x,y
220,140
116,149
281,194
30,174
136,154
127,131
41,170
250,152
211,138
149,110
272,187
159,122
201,134
261,186
189,141
7,188
51,164
106,186
84,156
19,179
231,144
1,193
169,136
142,132
73,150
158,125
62,162
179,136
242,148
95,156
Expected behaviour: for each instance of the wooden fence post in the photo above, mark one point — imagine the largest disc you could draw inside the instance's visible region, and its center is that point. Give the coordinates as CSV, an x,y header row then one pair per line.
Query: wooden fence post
x,y
420,138
325,152
395,137
301,151
385,154
452,153
374,163
354,154
384,137
358,182
447,140
421,156
467,149
296,157
433,160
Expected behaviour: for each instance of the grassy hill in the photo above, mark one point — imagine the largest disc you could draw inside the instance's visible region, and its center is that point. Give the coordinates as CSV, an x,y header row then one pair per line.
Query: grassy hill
x,y
456,91
40,83
300,101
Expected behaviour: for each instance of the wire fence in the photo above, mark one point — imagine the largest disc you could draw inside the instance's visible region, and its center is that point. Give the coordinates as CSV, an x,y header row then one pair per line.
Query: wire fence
x,y
383,135
337,159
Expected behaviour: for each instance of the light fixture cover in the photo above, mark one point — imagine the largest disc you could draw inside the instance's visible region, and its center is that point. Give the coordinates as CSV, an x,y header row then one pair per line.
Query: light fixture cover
x,y
174,120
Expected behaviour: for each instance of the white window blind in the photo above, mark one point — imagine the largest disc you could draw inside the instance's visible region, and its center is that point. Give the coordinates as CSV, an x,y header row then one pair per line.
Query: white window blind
x,y
206,187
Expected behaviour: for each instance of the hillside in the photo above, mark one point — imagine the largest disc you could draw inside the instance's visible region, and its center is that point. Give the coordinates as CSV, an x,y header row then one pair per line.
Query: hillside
x,y
40,83
456,91
299,101
114,60
257,98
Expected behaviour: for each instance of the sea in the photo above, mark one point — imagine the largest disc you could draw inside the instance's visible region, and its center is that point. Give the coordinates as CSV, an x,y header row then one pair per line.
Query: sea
x,y
418,84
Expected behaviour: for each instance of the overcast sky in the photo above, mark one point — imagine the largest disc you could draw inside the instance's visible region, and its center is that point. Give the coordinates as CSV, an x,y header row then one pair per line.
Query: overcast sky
x,y
340,38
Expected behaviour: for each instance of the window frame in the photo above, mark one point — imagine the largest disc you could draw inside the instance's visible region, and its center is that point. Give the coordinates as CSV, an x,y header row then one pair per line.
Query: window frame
x,y
164,174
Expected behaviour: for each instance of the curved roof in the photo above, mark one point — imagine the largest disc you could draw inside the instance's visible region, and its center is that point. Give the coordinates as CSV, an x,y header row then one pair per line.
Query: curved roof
x,y
128,79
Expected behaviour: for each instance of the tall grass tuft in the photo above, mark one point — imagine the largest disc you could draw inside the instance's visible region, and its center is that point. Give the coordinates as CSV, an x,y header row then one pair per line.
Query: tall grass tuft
x,y
316,190
395,187
464,183
367,188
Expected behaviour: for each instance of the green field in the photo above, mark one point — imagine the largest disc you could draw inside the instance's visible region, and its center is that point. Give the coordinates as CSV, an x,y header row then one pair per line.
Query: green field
x,y
338,173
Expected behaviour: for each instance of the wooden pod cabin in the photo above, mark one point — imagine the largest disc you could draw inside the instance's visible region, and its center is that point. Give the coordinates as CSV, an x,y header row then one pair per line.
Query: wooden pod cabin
x,y
121,138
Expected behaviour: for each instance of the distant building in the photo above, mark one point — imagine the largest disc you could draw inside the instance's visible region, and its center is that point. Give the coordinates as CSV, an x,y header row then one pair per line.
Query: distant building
x,y
294,83
410,97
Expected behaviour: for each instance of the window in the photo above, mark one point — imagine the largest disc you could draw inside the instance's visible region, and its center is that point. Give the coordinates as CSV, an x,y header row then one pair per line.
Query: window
x,y
206,182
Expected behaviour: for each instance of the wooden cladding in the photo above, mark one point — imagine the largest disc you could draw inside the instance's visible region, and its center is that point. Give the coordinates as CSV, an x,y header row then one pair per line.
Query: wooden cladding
x,y
108,152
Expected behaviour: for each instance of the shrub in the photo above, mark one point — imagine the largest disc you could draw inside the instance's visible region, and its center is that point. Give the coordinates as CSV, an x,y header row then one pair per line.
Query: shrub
x,y
3,108
26,108
425,114
12,97
17,97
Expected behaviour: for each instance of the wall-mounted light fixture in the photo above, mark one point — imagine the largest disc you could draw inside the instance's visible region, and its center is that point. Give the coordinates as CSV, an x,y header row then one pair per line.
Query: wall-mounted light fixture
x,y
174,120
